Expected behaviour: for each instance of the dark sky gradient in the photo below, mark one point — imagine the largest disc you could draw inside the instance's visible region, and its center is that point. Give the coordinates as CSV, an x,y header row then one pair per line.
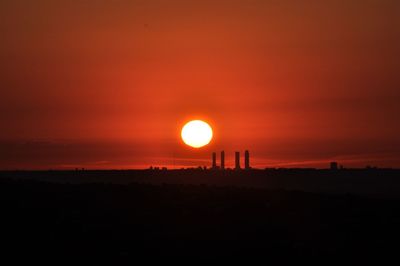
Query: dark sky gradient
x,y
108,84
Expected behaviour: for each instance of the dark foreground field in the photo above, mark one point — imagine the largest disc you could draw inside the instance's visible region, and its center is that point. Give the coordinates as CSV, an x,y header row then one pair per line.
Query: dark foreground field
x,y
192,222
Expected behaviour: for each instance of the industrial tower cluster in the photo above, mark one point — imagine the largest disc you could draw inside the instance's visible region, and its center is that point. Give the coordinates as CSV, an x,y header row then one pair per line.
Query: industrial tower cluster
x,y
237,160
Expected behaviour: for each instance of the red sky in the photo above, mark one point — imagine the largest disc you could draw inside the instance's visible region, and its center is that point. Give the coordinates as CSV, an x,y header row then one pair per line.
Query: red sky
x,y
108,84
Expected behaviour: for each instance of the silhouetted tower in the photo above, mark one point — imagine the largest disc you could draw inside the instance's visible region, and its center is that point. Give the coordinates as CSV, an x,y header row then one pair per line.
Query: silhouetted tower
x,y
237,160
214,160
246,160
222,160
334,166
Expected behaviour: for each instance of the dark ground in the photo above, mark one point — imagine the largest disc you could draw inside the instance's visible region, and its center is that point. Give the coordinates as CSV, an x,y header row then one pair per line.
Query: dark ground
x,y
192,222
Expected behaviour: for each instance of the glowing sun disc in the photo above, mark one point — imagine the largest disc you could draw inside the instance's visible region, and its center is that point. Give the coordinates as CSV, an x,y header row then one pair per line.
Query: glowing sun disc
x,y
196,133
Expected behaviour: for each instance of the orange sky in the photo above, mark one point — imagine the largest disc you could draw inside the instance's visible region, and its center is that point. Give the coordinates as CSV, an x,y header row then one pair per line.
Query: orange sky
x,y
108,84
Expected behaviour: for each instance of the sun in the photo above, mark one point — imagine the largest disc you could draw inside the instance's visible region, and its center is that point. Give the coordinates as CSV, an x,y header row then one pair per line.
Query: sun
x,y
196,133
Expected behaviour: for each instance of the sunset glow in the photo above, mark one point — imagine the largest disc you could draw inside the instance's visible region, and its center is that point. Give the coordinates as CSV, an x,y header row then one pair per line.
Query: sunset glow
x,y
96,84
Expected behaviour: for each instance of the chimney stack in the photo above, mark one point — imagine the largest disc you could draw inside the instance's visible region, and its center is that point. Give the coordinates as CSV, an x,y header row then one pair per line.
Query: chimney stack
x,y
246,160
237,160
222,160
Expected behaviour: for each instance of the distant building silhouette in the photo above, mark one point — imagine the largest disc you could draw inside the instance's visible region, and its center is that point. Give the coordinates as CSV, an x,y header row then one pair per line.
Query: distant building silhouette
x,y
214,160
237,160
246,160
334,166
222,160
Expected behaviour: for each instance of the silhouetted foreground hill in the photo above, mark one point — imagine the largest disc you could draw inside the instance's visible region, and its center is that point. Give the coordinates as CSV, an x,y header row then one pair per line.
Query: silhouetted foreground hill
x,y
192,223
370,182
